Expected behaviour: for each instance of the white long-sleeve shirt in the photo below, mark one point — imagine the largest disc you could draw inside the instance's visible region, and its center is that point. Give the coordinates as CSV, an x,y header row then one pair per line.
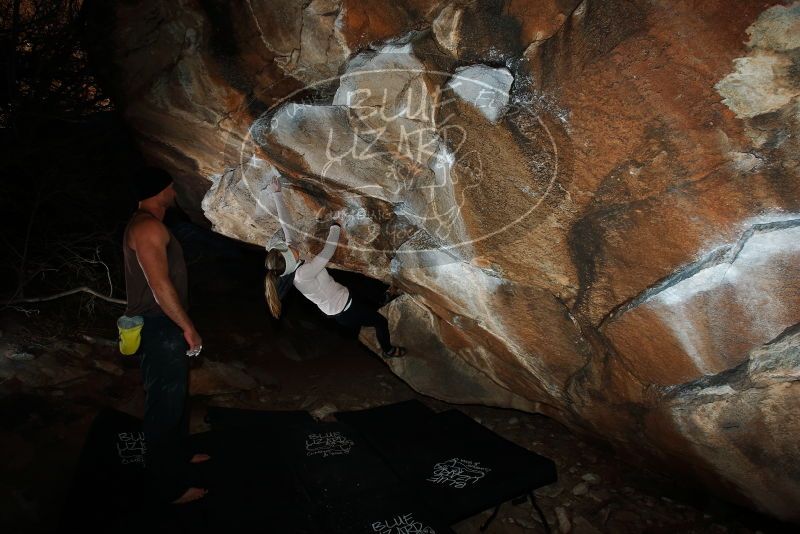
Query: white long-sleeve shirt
x,y
311,278
285,219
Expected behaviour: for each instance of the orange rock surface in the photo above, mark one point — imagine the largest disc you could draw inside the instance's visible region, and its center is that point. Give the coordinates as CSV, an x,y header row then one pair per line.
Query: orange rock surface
x,y
592,208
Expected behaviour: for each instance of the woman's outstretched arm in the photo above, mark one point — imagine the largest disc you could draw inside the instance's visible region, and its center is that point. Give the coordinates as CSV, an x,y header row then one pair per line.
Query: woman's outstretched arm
x,y
314,266
284,217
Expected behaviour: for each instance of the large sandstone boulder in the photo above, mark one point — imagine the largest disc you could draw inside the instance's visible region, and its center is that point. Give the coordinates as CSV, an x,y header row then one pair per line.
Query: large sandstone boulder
x,y
593,208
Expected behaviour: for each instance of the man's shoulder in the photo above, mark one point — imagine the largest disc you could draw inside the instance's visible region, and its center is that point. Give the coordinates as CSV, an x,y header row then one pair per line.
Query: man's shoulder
x,y
144,227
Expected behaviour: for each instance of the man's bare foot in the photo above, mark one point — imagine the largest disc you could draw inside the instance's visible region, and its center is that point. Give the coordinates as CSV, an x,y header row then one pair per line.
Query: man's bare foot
x,y
191,494
199,458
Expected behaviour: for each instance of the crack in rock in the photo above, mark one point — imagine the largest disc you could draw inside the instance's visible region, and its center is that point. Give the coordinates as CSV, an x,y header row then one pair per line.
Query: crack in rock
x,y
725,255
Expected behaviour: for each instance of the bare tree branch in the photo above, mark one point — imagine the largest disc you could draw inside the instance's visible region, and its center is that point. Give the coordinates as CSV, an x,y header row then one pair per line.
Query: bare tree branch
x,y
83,289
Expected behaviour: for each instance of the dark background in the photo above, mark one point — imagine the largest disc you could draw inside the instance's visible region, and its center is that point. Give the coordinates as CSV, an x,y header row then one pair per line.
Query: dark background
x,y
67,163
66,159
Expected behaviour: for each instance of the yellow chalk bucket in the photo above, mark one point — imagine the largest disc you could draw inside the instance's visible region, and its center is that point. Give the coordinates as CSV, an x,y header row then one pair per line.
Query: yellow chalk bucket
x,y
130,333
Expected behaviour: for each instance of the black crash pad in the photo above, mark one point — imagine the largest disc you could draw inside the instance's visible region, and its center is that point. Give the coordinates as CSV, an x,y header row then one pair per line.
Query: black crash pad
x,y
391,469
251,486
349,487
457,467
332,460
109,476
385,511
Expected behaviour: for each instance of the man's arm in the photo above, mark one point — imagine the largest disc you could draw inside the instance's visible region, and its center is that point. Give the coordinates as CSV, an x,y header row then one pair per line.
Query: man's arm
x,y
315,265
149,239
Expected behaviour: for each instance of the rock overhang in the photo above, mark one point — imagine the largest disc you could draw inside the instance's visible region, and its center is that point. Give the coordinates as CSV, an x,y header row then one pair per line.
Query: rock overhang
x,y
647,146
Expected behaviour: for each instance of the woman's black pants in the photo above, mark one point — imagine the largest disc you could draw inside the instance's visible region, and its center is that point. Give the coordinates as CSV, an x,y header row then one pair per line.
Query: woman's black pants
x,y
360,314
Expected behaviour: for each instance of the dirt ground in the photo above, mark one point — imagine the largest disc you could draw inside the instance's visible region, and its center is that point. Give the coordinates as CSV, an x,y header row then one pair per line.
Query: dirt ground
x,y
53,379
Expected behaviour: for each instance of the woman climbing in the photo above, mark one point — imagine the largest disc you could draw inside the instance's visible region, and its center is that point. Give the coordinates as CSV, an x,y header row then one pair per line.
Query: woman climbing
x,y
312,279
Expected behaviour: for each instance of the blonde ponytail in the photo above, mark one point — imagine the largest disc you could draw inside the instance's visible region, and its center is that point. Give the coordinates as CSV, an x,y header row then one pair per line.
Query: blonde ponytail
x,y
271,292
275,265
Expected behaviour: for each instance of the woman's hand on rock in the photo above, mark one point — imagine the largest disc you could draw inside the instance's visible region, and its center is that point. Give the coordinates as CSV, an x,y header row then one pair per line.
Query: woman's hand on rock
x,y
275,186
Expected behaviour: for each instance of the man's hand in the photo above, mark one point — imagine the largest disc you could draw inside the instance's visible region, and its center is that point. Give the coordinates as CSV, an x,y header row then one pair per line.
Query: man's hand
x,y
275,186
193,339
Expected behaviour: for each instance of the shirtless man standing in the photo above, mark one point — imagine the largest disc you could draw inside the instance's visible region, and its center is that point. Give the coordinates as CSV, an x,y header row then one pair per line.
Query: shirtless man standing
x,y
156,284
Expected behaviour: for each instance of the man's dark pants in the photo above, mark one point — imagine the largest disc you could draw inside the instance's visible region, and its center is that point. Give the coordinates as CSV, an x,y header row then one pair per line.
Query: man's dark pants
x,y
165,375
